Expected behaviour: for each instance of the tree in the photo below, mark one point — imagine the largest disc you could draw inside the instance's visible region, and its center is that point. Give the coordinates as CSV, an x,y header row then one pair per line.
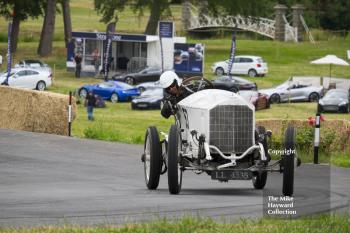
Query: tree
x,y
66,21
109,9
158,8
19,10
47,32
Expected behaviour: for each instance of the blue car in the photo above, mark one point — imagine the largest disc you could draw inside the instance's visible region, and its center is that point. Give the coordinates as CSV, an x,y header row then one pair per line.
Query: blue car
x,y
111,90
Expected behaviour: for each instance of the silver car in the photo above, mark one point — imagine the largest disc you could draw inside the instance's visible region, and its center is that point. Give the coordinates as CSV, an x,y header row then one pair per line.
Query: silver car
x,y
289,91
335,100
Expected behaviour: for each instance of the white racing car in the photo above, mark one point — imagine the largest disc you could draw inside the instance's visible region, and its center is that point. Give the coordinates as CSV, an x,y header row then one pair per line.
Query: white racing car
x,y
215,133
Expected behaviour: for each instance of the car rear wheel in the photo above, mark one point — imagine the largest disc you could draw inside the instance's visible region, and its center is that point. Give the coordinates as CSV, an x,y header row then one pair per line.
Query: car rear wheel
x,y
288,162
40,86
83,93
114,98
152,158
252,73
275,99
219,71
129,80
234,89
314,97
174,157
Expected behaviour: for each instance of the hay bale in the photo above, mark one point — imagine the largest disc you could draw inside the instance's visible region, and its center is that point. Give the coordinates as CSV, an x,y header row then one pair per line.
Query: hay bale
x,y
34,111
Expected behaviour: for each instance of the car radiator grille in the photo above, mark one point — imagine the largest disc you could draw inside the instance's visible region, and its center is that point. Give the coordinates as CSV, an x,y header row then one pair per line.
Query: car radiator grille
x,y
231,128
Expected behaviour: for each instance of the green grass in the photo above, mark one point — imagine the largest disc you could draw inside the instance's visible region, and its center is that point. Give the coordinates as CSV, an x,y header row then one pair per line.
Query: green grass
x,y
319,224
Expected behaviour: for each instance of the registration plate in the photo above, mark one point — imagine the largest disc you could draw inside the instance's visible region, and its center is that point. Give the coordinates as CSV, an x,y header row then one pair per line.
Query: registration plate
x,y
231,175
142,105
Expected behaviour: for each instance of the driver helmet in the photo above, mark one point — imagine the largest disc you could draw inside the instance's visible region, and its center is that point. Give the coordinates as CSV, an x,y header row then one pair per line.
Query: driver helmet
x,y
168,78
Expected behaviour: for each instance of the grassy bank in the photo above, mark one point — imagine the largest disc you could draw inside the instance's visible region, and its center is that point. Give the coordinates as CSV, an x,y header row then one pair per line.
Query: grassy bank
x,y
319,224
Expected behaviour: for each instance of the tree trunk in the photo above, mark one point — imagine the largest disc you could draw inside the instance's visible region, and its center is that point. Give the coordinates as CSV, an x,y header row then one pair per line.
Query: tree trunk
x,y
67,21
47,32
152,24
14,34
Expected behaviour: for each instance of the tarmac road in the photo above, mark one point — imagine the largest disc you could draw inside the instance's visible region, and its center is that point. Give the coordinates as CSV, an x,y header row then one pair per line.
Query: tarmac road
x,y
48,179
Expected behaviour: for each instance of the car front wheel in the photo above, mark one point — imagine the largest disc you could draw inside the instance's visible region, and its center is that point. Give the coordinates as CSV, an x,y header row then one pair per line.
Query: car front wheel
x,y
174,158
219,71
275,99
40,86
114,98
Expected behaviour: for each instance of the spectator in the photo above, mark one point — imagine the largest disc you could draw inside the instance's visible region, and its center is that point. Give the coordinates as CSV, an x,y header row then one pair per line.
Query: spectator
x,y
90,102
78,61
96,61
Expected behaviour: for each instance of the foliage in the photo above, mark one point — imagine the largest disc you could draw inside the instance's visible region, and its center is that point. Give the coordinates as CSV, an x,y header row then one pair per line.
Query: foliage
x,y
109,9
21,8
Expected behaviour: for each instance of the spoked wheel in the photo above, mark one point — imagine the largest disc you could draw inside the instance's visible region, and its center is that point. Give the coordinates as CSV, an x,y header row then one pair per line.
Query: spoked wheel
x,y
152,158
259,178
197,83
288,161
174,157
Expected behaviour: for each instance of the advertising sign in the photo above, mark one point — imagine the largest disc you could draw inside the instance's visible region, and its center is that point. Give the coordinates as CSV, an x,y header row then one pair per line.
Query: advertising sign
x,y
166,29
188,58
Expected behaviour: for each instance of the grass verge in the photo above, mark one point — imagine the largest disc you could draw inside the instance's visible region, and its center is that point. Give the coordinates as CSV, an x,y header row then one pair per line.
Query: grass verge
x,y
319,224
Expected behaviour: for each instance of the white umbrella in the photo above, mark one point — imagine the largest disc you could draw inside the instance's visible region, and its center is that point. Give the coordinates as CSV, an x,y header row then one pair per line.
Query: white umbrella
x,y
331,60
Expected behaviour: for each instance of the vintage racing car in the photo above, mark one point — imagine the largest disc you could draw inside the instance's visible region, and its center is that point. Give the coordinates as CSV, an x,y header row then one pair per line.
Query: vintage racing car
x,y
215,133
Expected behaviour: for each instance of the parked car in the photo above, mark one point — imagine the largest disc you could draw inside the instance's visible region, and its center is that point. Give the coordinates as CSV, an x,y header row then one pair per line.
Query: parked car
x,y
246,65
293,92
147,74
259,100
233,84
112,90
149,99
148,86
32,63
28,78
335,100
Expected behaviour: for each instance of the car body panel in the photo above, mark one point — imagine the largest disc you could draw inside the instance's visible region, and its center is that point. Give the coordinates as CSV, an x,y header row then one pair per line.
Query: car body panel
x,y
27,78
149,99
229,83
259,100
34,64
147,74
335,100
124,91
293,92
242,64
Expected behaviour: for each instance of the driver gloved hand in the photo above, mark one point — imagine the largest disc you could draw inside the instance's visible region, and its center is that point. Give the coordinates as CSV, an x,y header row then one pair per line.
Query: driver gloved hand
x,y
166,111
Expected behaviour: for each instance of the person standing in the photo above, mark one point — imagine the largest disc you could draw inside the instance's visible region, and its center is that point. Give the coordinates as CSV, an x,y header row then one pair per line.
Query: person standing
x,y
90,101
96,61
78,61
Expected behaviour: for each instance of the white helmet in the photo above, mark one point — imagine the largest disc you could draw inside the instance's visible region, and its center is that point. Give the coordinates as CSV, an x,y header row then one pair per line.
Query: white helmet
x,y
167,78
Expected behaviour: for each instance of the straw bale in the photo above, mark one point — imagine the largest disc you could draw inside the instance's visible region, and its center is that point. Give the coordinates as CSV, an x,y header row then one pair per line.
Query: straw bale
x,y
34,111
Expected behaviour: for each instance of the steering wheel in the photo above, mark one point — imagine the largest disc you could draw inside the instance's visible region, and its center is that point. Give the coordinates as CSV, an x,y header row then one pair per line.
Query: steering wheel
x,y
197,83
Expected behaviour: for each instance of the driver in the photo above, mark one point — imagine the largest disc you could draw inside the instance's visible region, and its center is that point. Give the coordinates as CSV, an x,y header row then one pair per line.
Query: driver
x,y
174,92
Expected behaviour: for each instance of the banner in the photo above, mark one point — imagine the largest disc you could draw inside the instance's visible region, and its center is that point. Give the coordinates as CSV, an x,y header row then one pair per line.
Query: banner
x,y
108,50
9,55
188,58
232,54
